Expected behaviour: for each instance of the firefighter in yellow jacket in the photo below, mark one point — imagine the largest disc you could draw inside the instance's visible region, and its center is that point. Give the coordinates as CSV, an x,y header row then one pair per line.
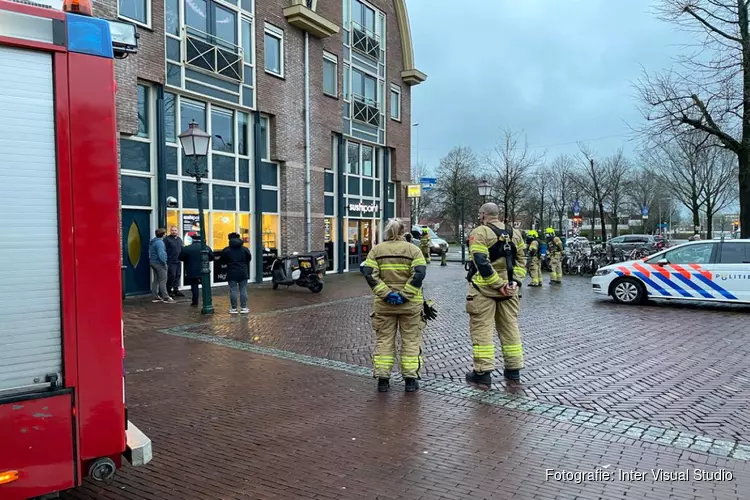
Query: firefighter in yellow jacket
x,y
495,274
424,244
533,260
395,270
555,253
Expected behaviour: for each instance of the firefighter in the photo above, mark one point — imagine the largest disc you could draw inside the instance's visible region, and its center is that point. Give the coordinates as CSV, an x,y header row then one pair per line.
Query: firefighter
x,y
424,244
495,273
395,270
533,261
555,252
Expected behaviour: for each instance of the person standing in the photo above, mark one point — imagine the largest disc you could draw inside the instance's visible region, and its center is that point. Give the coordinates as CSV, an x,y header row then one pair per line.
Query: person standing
x,y
395,270
191,256
237,259
533,262
174,246
424,244
555,252
495,275
157,258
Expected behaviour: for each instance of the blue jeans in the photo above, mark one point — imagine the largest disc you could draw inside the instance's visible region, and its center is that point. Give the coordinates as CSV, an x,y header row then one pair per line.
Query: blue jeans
x,y
234,288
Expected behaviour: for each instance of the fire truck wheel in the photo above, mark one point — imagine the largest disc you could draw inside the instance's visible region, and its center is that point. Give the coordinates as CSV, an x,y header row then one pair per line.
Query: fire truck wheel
x,y
102,469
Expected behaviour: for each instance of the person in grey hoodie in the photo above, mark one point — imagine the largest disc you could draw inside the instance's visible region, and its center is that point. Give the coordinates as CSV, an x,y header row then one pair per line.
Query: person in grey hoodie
x,y
173,244
157,257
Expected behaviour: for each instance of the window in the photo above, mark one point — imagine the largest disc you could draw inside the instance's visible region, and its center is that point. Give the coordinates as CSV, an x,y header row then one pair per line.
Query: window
x,y
363,86
363,15
170,117
225,26
222,130
172,17
143,101
136,191
691,254
735,253
274,50
395,102
367,161
265,140
136,10
330,74
353,155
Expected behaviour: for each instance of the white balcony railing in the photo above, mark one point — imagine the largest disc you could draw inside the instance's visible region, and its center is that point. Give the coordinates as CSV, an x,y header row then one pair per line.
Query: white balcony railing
x,y
213,54
365,110
365,41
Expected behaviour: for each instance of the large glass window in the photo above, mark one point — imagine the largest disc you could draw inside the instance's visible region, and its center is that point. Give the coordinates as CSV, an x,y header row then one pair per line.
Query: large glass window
x,y
135,155
270,232
136,10
172,17
330,74
363,15
395,103
353,158
136,191
364,86
222,129
367,161
191,110
196,14
224,223
265,142
247,41
243,129
170,117
225,25
273,50
143,114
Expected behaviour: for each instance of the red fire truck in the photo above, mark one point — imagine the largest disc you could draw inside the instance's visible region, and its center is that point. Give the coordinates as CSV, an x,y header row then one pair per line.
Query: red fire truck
x,y
62,393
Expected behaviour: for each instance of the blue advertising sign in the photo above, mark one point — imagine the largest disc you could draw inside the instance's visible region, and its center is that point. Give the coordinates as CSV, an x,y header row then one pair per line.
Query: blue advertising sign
x,y
576,208
644,211
428,180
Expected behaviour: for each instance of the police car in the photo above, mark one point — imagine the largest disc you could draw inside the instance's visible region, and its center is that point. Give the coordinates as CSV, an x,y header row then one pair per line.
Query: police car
x,y
711,270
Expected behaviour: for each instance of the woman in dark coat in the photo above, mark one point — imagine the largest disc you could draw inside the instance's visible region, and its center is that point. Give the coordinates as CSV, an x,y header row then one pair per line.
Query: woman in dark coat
x,y
191,256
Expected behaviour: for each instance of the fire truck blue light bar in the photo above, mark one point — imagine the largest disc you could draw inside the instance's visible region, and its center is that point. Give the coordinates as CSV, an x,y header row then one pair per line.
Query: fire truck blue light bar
x,y
89,35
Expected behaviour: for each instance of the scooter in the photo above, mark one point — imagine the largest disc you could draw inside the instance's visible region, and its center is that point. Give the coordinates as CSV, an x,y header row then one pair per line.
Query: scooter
x,y
307,271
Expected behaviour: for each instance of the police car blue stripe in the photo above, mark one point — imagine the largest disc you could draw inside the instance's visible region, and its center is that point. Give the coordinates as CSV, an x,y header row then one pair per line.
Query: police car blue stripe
x,y
651,283
692,285
716,287
672,284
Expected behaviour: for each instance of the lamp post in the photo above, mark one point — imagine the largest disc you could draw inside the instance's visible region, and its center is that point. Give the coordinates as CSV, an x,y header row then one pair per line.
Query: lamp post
x,y
463,232
485,190
195,144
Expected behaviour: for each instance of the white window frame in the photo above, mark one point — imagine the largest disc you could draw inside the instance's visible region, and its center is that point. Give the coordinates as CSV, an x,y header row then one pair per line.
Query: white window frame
x,y
147,24
395,89
332,58
278,33
267,120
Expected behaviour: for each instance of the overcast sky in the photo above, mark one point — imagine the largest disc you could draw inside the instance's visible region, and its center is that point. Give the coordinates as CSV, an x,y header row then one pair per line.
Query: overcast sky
x,y
560,70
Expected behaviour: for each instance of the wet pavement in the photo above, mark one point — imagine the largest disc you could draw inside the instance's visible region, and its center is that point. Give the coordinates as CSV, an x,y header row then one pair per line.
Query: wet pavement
x,y
279,404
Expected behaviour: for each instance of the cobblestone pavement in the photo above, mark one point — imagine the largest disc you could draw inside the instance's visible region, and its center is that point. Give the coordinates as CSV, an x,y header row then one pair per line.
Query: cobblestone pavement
x,y
677,366
229,423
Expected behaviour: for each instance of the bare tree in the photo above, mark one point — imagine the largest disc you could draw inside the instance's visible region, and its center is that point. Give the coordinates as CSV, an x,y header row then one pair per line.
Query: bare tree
x,y
561,180
677,162
457,185
709,90
641,187
420,206
618,169
540,187
593,179
511,161
718,168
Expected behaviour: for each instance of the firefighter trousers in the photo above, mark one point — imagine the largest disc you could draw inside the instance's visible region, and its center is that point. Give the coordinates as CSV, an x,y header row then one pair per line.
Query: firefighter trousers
x,y
410,324
426,253
485,315
535,271
555,264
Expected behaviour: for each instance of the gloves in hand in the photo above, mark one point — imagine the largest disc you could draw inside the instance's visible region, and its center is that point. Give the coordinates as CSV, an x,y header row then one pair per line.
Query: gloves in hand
x,y
395,299
430,311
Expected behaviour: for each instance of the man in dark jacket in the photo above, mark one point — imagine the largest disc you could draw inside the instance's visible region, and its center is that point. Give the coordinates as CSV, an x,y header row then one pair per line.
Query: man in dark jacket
x,y
237,259
191,256
174,267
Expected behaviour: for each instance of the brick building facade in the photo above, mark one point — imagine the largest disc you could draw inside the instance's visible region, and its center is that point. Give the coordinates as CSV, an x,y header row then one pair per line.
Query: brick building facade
x,y
240,70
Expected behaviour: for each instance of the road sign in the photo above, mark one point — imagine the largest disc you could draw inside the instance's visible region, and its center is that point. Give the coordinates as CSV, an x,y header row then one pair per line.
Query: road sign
x,y
644,212
414,190
662,226
576,208
426,187
428,180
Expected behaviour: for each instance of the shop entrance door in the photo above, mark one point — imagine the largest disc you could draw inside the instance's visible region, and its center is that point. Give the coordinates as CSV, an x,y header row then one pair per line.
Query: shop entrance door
x,y
135,238
360,240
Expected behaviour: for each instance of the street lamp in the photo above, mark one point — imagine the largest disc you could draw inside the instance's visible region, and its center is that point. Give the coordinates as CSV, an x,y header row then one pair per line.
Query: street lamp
x,y
195,144
485,190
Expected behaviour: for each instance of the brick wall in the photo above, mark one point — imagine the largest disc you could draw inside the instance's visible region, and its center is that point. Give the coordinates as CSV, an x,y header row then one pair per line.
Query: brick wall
x,y
147,64
284,100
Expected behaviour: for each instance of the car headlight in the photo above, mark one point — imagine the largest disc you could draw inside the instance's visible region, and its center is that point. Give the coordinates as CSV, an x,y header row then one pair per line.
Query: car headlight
x,y
602,272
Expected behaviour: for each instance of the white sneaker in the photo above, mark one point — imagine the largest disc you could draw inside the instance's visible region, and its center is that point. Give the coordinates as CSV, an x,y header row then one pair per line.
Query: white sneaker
x,y
244,310
156,299
169,300
233,311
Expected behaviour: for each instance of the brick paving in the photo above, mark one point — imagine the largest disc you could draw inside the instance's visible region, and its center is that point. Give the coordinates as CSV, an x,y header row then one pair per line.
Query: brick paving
x,y
676,366
231,424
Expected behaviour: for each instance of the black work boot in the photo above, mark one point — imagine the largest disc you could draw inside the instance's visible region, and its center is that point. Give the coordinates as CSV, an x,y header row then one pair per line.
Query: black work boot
x,y
514,375
384,384
481,380
411,384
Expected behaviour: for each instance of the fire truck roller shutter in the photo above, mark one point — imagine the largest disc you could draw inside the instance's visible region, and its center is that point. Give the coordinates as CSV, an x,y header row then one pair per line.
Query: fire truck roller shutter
x,y
30,329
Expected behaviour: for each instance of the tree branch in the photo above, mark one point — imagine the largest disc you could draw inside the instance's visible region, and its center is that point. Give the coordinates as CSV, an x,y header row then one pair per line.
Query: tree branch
x,y
711,27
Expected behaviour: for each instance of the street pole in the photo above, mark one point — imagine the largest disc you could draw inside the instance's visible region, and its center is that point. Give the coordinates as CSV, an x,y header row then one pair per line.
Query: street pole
x,y
463,235
208,307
